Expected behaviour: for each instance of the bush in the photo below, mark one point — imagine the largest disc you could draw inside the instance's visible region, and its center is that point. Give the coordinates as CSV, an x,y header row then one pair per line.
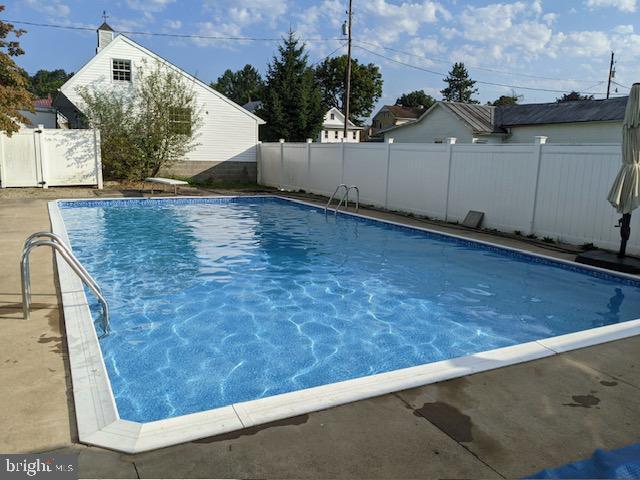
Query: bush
x,y
146,127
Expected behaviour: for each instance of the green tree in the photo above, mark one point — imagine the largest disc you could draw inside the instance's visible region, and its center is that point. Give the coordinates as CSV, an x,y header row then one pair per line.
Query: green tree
x,y
366,86
47,82
147,128
292,105
512,99
245,85
416,99
14,95
573,97
460,87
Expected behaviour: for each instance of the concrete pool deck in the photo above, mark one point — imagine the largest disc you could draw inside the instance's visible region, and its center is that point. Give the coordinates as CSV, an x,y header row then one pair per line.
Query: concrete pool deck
x,y
508,422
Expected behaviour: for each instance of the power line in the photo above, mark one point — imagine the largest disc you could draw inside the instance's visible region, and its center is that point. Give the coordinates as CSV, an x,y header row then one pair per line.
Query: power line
x,y
173,35
495,84
327,55
476,67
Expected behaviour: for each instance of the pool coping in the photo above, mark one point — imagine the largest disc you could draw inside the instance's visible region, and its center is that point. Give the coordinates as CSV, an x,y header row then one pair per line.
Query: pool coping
x,y
97,415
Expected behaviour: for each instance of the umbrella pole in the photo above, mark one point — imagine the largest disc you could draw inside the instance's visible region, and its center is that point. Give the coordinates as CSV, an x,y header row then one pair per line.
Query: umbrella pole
x,y
625,232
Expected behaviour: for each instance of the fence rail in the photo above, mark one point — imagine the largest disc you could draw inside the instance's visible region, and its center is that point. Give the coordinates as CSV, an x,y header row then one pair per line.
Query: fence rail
x,y
548,190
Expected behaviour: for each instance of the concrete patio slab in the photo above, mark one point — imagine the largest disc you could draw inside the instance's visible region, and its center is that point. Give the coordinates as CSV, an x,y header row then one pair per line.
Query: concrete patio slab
x,y
534,415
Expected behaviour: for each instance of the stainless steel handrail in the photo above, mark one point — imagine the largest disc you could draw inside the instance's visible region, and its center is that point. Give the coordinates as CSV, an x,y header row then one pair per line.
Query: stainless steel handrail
x,y
345,198
75,265
32,238
342,185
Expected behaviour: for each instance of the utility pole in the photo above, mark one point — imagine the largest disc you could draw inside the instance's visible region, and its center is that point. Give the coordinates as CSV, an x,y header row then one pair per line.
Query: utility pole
x,y
612,74
347,91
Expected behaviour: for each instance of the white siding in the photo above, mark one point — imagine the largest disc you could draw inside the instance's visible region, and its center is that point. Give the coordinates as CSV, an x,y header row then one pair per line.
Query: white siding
x,y
583,132
227,132
438,125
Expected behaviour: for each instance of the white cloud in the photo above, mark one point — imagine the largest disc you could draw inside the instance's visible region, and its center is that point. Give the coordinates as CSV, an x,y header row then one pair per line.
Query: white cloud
x,y
173,24
149,5
623,29
622,5
52,8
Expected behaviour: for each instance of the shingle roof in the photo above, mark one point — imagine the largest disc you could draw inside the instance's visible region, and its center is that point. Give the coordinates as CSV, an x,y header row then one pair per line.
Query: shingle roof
x,y
479,117
43,102
564,112
399,111
252,106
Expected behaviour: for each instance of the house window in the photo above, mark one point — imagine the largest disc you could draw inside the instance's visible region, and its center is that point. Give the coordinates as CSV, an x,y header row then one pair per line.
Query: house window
x,y
121,70
326,134
181,120
354,135
335,134
333,116
438,140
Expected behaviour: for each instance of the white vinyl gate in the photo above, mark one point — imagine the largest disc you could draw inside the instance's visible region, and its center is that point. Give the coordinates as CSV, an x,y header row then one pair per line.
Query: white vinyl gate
x,y
50,157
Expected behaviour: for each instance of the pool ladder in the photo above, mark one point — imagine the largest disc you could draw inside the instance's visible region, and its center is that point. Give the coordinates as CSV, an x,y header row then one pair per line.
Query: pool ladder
x,y
344,198
55,241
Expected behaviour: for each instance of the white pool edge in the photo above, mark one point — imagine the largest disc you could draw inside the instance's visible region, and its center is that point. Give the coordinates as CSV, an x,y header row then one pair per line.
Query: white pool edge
x,y
97,416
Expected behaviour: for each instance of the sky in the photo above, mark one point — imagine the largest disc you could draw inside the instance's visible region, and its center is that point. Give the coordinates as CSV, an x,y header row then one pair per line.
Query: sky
x,y
526,46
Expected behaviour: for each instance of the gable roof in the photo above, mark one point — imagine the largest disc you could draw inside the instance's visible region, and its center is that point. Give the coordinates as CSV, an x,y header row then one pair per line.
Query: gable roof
x,y
340,118
122,38
399,111
478,117
564,112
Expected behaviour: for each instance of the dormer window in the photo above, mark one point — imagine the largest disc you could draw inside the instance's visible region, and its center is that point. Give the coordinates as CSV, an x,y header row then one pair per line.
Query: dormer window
x,y
121,70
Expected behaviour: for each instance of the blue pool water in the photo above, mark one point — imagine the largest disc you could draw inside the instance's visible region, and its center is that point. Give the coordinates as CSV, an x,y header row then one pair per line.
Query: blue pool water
x,y
225,300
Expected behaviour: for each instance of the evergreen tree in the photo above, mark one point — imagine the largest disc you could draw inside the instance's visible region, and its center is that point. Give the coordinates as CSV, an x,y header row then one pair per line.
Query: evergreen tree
x,y
460,86
292,104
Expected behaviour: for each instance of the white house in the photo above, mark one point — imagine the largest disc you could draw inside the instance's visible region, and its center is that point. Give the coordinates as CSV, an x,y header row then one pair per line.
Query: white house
x,y
585,121
227,138
333,128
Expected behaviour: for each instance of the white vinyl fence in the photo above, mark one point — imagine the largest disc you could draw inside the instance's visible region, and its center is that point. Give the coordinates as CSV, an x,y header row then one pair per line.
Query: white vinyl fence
x,y
50,157
550,190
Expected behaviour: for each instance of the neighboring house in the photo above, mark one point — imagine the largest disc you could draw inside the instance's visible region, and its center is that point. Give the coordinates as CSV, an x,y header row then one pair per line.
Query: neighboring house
x,y
252,106
227,137
392,115
586,121
333,128
44,114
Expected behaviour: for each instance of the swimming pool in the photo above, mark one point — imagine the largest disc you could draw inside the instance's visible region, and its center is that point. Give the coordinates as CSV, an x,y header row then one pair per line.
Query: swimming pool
x,y
254,301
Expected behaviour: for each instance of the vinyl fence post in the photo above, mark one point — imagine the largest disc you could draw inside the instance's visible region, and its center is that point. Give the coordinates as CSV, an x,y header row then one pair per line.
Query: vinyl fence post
x,y
281,163
450,141
343,141
259,162
539,141
388,141
308,182
41,156
3,180
97,152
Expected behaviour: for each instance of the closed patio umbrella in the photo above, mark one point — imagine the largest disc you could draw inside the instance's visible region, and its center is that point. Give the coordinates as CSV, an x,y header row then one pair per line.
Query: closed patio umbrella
x,y
625,192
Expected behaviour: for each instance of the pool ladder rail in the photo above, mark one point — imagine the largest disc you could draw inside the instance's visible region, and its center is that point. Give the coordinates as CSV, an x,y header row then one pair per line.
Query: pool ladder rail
x,y
344,199
55,241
